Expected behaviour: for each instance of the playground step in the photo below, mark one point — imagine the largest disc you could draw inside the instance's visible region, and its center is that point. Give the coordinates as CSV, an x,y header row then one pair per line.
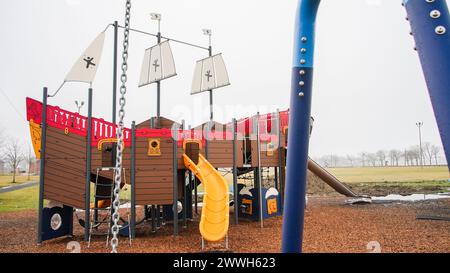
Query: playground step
x,y
105,185
103,196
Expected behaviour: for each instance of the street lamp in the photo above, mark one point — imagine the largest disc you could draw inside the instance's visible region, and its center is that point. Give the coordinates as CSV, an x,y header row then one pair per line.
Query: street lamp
x,y
419,125
79,105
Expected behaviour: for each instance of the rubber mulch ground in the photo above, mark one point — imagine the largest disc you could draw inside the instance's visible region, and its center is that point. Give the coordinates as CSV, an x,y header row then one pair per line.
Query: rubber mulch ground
x,y
331,226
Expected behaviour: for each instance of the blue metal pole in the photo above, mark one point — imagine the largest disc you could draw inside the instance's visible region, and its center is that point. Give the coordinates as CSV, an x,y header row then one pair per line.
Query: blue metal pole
x,y
430,25
299,119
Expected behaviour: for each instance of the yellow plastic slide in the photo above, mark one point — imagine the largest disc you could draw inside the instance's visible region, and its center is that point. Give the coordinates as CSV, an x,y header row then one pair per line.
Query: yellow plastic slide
x,y
215,212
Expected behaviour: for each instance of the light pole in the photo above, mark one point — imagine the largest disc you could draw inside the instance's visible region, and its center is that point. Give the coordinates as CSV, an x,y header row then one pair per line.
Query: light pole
x,y
79,105
419,125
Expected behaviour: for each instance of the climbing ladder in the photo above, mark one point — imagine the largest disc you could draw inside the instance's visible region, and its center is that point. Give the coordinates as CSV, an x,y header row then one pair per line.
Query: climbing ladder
x,y
103,198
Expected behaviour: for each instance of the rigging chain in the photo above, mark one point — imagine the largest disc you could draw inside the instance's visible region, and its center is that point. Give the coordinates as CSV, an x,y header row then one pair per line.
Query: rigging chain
x,y
120,142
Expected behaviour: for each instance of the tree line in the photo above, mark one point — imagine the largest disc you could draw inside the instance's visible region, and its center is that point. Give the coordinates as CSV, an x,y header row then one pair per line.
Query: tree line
x,y
429,155
16,157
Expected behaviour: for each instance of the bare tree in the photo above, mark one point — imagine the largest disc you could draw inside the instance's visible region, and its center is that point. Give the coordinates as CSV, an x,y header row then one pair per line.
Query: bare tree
x,y
30,160
13,156
397,154
405,156
427,148
414,155
363,158
350,159
372,158
435,150
381,156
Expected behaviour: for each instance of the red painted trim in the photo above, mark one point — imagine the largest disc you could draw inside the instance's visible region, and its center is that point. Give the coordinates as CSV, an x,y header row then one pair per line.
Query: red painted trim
x,y
101,129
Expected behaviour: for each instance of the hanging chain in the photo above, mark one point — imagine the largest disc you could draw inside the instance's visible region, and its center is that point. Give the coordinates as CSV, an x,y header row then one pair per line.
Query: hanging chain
x,y
120,142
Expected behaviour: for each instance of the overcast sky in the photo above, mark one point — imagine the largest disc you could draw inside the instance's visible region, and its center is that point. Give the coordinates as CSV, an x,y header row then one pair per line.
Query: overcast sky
x,y
369,89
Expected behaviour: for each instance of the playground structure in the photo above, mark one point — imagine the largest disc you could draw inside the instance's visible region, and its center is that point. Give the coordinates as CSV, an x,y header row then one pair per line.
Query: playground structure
x,y
155,162
430,24
161,162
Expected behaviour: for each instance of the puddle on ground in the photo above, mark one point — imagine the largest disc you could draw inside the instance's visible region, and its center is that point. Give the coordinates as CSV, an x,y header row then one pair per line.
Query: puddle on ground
x,y
411,198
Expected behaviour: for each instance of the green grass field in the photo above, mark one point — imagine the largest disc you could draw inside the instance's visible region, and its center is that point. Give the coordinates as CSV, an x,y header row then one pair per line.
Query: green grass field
x,y
6,180
391,174
400,176
19,200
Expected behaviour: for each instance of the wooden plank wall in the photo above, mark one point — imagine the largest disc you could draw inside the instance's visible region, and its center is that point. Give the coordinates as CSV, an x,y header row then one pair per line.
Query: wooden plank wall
x,y
283,139
154,174
269,160
239,153
163,123
220,153
180,153
65,164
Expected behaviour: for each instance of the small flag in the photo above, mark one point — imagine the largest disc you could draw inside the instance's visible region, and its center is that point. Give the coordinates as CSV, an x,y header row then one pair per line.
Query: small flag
x,y
155,16
85,68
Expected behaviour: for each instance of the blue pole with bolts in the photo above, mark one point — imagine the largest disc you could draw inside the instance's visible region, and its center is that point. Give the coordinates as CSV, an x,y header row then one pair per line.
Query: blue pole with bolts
x,y
430,26
430,23
299,118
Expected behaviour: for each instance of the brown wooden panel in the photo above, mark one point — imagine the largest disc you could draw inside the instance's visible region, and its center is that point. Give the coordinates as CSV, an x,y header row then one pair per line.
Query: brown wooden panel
x,y
218,150
73,151
59,137
163,162
148,201
155,168
160,185
66,161
142,143
150,180
266,160
254,150
55,187
219,156
220,144
156,191
153,196
66,200
154,174
239,154
65,180
63,194
69,171
63,165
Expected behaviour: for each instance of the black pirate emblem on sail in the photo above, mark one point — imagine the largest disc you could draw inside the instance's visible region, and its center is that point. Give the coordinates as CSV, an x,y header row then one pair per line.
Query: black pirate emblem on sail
x,y
89,61
156,65
208,75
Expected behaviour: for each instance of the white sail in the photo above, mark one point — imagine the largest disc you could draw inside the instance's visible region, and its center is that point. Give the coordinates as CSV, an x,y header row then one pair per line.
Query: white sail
x,y
158,64
210,73
85,68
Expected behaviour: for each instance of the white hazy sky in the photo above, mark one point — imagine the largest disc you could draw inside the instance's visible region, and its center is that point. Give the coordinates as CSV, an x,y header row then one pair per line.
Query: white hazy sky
x,y
369,89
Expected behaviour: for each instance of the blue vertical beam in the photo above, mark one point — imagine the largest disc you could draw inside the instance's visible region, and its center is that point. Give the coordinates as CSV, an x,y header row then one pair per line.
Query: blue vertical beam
x,y
430,25
299,118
